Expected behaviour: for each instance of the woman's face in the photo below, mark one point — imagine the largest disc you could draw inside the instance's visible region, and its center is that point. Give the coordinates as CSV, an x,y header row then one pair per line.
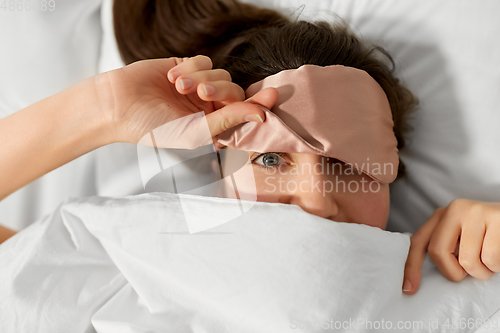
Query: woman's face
x,y
319,185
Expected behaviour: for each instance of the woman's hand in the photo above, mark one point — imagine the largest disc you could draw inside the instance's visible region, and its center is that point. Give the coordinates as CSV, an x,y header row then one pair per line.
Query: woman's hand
x,y
147,94
462,238
119,106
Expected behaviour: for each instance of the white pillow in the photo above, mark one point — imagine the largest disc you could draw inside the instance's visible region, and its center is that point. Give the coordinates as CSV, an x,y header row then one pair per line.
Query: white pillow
x,y
109,56
44,52
446,53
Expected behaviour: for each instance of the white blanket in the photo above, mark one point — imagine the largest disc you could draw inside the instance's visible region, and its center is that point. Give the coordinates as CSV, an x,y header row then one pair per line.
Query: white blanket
x,y
130,265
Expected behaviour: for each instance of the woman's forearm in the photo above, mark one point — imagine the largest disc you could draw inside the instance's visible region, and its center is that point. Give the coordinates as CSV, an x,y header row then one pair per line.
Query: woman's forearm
x,y
121,105
49,134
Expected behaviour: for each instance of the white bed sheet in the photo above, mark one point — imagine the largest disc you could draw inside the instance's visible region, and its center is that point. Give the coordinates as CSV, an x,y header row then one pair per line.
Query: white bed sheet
x,y
129,265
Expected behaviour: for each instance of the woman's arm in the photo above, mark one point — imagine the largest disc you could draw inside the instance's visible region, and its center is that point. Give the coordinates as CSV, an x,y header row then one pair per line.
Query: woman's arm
x,y
119,106
50,133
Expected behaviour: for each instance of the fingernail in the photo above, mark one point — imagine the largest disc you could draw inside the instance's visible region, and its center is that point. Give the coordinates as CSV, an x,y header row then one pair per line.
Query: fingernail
x,y
254,117
186,83
173,75
209,90
407,285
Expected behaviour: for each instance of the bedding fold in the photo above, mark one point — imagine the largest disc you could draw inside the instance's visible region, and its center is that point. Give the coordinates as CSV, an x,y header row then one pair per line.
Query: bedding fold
x,y
131,265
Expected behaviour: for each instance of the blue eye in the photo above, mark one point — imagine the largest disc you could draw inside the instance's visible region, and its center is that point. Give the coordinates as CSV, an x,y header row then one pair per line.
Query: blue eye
x,y
269,160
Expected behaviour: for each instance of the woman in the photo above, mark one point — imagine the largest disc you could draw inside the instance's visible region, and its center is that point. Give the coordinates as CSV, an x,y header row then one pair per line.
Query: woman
x,y
245,44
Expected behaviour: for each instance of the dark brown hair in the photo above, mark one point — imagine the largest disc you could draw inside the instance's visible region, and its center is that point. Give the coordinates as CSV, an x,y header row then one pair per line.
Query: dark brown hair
x,y
252,43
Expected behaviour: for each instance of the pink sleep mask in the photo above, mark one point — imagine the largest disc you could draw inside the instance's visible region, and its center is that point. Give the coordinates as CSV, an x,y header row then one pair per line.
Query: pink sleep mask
x,y
334,111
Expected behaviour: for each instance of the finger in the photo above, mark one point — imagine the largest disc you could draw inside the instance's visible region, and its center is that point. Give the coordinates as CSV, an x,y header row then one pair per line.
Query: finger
x,y
240,112
471,243
416,254
443,243
266,97
490,253
191,65
187,83
233,115
221,91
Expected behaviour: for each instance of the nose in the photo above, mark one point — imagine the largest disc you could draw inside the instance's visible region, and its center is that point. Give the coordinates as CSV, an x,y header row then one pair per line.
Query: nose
x,y
315,200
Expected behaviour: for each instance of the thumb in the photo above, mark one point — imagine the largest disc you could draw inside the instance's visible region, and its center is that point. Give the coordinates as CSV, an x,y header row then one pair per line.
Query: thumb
x,y
239,112
416,255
